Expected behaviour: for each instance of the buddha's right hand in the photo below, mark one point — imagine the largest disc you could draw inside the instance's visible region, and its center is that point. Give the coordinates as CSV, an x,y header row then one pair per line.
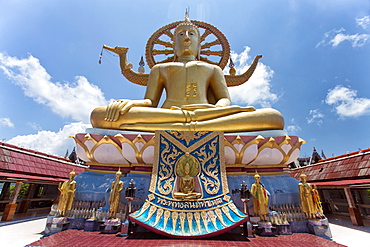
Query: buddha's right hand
x,y
120,107
115,108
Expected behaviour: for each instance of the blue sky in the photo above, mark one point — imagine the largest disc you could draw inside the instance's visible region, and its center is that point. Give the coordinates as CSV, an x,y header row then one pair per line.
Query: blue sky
x,y
315,65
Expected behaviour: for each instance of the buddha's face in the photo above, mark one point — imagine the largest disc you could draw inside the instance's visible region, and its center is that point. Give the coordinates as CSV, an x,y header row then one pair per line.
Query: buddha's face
x,y
118,176
187,169
257,179
186,41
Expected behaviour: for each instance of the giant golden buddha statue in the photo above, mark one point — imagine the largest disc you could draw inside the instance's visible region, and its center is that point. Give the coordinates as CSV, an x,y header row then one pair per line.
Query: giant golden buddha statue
x,y
197,97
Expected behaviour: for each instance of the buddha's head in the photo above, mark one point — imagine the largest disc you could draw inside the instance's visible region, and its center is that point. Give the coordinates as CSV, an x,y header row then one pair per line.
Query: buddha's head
x,y
72,175
118,174
257,178
186,39
303,177
187,169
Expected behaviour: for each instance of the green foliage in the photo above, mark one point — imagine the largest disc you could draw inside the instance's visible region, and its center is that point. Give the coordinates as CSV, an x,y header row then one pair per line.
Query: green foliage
x,y
22,193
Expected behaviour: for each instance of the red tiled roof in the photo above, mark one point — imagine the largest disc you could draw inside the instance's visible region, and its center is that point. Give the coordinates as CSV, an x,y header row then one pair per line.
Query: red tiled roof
x,y
344,182
18,160
24,176
352,166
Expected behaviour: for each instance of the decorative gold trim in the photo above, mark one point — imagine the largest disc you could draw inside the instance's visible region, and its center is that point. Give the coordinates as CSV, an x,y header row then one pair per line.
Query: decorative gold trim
x,y
205,217
189,216
107,165
219,216
143,208
167,215
235,210
141,165
296,146
152,210
253,173
265,166
175,215
106,140
89,154
197,220
140,172
158,216
151,197
191,200
212,216
100,171
182,221
142,150
226,211
255,141
123,139
226,198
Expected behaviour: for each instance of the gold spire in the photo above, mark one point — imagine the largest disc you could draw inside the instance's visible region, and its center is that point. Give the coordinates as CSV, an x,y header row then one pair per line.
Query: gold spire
x,y
186,22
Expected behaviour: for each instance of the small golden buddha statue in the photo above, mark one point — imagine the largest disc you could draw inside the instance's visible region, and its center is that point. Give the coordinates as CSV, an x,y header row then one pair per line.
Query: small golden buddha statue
x,y
67,194
305,193
187,170
187,82
115,195
260,198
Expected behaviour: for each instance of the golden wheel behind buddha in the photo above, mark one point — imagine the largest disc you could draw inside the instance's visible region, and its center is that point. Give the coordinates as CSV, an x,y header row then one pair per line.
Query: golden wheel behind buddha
x,y
215,48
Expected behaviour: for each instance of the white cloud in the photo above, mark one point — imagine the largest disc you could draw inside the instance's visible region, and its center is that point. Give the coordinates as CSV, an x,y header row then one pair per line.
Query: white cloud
x,y
335,37
257,89
6,122
75,100
357,40
293,129
363,22
35,126
56,143
315,117
345,102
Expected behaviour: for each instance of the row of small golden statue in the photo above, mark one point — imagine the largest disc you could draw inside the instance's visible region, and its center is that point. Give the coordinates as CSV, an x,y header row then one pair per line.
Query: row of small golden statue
x,y
309,197
68,188
310,206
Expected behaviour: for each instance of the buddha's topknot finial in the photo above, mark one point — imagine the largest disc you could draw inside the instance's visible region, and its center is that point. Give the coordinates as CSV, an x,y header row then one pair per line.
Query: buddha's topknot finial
x,y
187,22
187,15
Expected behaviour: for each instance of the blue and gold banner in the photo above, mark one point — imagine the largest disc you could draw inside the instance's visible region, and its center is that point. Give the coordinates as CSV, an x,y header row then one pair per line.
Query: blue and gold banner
x,y
188,194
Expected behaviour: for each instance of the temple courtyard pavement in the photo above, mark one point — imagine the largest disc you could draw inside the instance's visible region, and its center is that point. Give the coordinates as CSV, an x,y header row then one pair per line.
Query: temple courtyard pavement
x,y
27,232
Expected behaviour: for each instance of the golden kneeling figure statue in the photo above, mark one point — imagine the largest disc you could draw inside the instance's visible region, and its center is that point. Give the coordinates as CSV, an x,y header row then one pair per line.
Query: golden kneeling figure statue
x,y
188,82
